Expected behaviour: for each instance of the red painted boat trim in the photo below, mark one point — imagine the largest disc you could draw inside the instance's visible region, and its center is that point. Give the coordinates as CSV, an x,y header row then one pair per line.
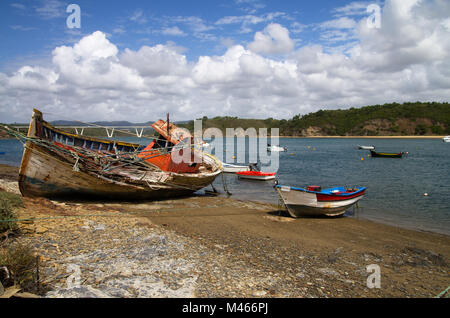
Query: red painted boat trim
x,y
256,173
330,197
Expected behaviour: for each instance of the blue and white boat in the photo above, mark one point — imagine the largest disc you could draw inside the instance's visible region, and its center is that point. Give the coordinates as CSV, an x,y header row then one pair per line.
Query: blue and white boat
x,y
313,201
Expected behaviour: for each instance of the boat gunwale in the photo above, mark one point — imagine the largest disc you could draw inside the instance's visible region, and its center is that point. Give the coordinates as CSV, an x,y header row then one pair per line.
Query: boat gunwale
x,y
94,139
361,189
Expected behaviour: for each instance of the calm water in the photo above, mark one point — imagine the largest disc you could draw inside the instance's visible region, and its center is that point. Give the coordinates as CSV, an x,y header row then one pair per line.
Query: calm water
x,y
396,187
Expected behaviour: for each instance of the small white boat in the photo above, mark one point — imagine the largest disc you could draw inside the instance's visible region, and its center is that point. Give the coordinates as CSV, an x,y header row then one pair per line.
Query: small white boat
x,y
313,201
366,147
234,168
446,139
276,148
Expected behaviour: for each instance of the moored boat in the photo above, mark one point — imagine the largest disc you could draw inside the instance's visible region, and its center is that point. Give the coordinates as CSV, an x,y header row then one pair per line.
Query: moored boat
x,y
446,139
229,168
366,147
274,148
256,175
56,163
313,201
387,154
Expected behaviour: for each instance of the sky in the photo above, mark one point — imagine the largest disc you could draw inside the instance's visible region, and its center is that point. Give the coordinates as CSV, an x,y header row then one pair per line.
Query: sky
x,y
138,60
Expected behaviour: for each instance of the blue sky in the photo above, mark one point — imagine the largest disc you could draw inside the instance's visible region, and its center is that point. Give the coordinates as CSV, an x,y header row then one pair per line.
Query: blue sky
x,y
133,60
31,29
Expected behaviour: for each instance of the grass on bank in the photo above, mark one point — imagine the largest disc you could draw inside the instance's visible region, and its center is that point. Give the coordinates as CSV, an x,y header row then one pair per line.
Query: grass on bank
x,y
18,264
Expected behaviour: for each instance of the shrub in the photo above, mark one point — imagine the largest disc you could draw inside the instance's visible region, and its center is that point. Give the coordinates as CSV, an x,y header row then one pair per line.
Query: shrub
x,y
21,264
8,202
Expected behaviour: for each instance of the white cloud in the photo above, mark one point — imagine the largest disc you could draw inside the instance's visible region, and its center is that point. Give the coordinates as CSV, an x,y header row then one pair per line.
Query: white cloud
x,y
18,6
273,40
51,9
407,59
175,31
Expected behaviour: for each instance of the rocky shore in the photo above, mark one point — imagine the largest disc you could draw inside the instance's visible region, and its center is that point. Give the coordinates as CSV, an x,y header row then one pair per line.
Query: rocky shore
x,y
220,247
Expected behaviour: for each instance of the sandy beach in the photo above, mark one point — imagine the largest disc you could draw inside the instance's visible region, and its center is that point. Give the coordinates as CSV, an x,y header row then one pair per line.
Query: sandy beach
x,y
204,246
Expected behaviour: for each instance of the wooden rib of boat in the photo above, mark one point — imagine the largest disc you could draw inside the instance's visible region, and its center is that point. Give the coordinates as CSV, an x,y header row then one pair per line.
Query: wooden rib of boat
x,y
313,201
386,154
56,163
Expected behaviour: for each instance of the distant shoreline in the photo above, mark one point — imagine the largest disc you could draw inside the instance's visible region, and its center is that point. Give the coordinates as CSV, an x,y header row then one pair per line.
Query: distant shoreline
x,y
368,137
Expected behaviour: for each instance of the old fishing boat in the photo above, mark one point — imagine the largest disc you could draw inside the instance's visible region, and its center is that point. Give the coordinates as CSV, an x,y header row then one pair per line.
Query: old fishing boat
x,y
386,154
56,163
313,201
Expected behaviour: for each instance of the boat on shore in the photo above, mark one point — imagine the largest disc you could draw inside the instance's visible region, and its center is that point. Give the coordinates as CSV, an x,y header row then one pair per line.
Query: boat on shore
x,y
56,163
366,147
446,139
229,168
256,175
386,154
313,201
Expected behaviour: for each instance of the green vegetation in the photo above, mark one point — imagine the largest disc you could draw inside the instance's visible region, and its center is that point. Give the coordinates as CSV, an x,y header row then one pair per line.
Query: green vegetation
x,y
389,119
20,262
9,202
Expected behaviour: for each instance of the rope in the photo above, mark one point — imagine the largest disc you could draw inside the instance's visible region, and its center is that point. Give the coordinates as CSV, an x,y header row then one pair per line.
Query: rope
x,y
225,186
443,293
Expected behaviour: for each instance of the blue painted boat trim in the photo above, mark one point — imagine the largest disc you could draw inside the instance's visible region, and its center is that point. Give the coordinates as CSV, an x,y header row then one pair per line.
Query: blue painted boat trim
x,y
327,191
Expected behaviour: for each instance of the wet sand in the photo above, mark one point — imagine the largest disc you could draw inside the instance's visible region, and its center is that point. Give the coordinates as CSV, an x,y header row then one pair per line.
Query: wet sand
x,y
241,249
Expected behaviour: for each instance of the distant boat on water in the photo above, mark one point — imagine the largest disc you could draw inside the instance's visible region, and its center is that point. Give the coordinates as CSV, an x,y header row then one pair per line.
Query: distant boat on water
x,y
446,139
313,201
229,168
274,148
366,147
387,154
256,175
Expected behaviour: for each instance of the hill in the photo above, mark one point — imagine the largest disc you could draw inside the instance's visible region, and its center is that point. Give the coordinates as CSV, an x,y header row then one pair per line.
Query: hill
x,y
408,119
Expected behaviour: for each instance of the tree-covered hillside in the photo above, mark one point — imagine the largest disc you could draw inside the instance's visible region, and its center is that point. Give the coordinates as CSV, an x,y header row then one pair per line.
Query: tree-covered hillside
x,y
379,120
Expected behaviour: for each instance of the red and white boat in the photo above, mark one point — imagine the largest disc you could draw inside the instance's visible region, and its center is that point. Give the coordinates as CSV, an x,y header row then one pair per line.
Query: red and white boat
x,y
256,175
313,201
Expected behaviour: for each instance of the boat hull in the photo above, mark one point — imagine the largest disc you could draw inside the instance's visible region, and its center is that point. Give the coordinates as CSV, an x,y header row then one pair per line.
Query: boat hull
x,y
303,203
256,175
233,168
262,178
366,147
43,175
385,155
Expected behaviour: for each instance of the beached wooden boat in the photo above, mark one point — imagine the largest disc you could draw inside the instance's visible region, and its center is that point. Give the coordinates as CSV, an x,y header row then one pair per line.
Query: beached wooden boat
x,y
386,154
229,168
313,201
256,175
56,163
